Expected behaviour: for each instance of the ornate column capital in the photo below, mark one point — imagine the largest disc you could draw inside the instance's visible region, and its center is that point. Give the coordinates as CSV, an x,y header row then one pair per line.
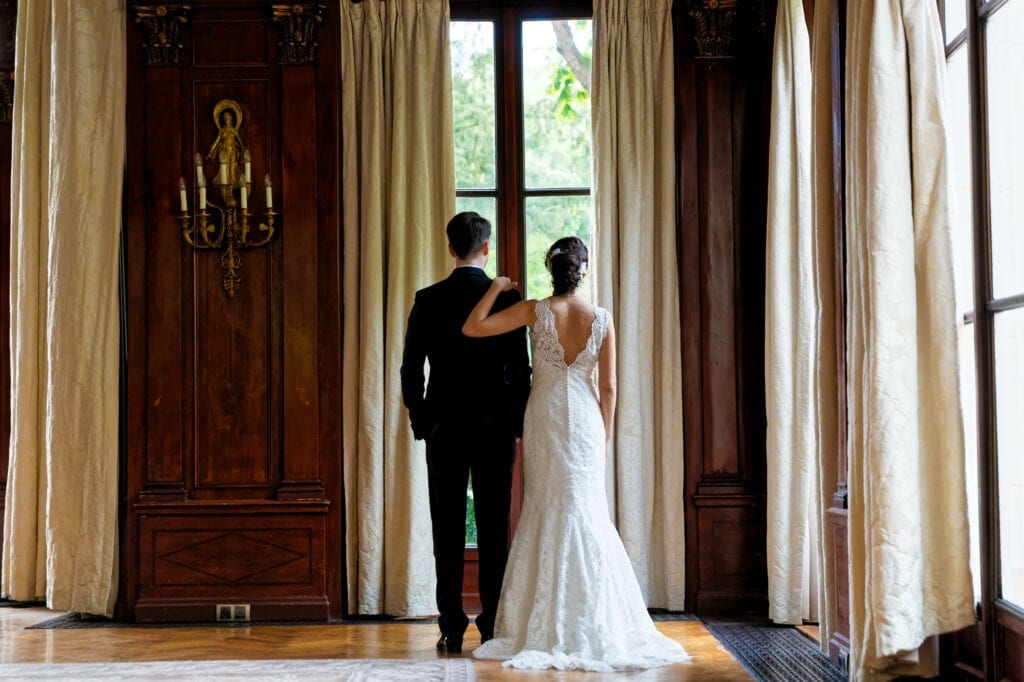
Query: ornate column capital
x,y
163,25
298,22
714,23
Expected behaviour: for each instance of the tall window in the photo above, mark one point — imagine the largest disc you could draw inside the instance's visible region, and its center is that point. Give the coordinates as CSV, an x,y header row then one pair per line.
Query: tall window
x,y
521,103
985,58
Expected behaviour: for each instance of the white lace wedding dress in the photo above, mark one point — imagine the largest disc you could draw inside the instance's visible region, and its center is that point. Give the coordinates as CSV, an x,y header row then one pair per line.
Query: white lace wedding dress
x,y
570,599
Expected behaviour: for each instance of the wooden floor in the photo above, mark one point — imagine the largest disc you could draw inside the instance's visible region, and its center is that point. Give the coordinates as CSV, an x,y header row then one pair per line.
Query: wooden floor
x,y
355,640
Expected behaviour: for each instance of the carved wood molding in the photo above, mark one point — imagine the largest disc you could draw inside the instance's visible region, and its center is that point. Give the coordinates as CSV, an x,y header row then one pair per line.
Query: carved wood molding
x,y
714,21
722,27
6,96
298,23
163,25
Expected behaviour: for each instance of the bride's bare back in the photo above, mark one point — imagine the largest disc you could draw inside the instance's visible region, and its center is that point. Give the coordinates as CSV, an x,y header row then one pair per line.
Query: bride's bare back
x,y
574,320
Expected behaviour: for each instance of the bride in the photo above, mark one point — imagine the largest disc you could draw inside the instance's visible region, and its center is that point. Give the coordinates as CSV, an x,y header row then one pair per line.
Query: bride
x,y
569,599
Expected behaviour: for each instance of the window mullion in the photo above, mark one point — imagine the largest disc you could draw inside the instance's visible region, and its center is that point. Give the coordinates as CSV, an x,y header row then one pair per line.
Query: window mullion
x,y
510,145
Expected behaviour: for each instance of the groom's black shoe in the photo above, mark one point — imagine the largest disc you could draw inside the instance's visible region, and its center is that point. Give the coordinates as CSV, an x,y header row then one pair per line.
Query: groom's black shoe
x,y
450,644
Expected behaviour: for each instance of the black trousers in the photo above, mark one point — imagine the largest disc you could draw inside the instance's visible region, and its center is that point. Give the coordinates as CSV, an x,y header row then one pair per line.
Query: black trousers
x,y
453,453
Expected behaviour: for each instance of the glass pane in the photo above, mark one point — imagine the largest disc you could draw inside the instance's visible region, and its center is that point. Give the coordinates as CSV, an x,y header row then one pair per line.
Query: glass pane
x,y
1005,54
960,179
472,55
547,220
956,18
963,276
485,206
470,516
556,103
1009,371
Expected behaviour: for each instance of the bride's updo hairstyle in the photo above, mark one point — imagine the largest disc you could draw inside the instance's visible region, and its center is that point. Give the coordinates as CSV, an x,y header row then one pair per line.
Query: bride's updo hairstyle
x,y
567,262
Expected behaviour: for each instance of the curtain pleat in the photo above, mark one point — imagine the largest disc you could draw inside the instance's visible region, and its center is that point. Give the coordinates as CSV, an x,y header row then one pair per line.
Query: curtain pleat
x,y
60,525
635,255
398,192
909,575
792,325
826,368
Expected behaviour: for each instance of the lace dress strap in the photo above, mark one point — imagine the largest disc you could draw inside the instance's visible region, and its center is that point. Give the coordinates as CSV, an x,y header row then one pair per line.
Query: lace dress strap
x,y
543,335
602,317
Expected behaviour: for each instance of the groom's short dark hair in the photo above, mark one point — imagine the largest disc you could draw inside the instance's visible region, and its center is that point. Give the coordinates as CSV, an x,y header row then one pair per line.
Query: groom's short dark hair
x,y
467,232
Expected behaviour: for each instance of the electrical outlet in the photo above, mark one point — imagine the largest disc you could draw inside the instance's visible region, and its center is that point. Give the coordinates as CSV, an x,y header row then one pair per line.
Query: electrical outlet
x,y
232,612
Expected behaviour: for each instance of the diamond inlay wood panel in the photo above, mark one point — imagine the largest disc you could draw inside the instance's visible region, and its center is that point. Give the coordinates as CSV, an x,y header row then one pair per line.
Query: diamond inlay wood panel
x,y
237,557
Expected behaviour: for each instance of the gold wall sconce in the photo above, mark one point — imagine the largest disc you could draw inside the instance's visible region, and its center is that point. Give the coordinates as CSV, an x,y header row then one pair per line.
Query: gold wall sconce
x,y
225,225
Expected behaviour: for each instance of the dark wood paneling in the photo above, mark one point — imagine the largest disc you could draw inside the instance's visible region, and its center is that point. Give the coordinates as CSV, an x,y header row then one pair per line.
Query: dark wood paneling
x,y
236,553
233,466
839,642
1011,648
231,345
732,555
722,105
8,19
240,42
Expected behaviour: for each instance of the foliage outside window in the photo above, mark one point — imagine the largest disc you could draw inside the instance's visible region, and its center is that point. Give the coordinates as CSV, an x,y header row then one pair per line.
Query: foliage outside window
x,y
529,176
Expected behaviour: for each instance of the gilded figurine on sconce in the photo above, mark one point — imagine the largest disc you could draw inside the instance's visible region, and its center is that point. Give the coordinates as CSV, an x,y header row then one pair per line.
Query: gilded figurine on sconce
x,y
226,226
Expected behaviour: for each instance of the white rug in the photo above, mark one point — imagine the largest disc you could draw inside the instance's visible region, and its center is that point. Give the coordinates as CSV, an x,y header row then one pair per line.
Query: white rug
x,y
354,670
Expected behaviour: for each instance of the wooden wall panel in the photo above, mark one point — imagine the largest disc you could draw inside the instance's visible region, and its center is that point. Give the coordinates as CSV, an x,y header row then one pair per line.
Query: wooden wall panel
x,y
8,19
1011,649
722,100
233,491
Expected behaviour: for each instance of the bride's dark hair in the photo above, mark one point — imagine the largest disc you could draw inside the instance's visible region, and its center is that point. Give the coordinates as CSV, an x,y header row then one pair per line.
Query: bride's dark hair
x,y
566,260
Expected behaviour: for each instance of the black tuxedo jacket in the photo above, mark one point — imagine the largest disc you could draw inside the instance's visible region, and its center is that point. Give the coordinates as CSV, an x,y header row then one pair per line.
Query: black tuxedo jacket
x,y
472,380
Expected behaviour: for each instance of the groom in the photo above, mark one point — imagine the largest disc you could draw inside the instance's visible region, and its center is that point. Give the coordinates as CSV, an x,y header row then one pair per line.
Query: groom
x,y
470,417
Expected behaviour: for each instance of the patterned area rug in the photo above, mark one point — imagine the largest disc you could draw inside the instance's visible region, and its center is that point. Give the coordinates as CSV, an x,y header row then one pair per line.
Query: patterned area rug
x,y
773,653
442,670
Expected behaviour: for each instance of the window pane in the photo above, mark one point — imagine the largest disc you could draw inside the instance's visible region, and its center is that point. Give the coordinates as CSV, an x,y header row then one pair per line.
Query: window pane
x,y
963,276
1005,54
960,179
1010,440
547,220
485,207
470,516
556,103
956,18
472,54
1009,345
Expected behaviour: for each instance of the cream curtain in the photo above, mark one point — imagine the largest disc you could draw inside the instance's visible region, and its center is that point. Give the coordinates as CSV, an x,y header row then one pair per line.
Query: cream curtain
x,y
398,193
792,326
909,575
826,368
60,525
635,261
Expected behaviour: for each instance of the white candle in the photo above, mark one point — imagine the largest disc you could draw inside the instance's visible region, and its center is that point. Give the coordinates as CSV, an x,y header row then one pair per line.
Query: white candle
x,y
269,188
202,198
222,175
248,166
245,200
199,167
183,195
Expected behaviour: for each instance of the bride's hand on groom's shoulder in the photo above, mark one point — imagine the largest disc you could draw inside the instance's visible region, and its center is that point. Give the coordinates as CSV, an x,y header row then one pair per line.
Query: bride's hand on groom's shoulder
x,y
502,283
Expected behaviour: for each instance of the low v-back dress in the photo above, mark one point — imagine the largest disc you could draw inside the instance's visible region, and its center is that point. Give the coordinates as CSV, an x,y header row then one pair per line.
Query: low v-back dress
x,y
570,599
